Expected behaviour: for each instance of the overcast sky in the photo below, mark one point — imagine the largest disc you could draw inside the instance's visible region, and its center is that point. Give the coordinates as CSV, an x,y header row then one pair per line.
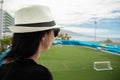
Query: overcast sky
x,y
79,15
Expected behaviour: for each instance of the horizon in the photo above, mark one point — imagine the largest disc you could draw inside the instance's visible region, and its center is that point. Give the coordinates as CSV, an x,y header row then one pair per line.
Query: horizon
x,y
82,37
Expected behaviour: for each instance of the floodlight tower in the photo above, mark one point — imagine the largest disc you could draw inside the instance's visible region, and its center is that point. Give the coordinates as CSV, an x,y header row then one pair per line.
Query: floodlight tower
x,y
95,29
1,18
95,23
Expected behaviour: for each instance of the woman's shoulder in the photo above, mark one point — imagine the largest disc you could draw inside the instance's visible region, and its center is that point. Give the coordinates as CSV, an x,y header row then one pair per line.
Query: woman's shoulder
x,y
42,72
30,69
39,71
32,66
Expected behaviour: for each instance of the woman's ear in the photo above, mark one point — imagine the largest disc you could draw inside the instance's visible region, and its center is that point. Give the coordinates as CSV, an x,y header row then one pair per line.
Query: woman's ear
x,y
43,38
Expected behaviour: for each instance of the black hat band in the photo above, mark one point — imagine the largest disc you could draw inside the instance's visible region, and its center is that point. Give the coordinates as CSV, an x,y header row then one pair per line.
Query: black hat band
x,y
44,24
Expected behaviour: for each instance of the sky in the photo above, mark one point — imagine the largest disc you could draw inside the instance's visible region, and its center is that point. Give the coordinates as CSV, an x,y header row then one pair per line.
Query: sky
x,y
79,16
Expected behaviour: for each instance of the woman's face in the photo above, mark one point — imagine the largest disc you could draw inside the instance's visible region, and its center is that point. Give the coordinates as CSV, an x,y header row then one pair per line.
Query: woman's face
x,y
48,39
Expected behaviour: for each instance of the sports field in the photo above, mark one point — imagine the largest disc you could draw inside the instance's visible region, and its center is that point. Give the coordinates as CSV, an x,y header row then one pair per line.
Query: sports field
x,y
76,63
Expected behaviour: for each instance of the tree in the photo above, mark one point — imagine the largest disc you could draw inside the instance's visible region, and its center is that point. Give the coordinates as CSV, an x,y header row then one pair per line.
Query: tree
x,y
108,41
5,43
63,36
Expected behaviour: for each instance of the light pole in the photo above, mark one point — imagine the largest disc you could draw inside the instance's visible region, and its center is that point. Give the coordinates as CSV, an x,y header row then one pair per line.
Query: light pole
x,y
95,29
95,24
1,19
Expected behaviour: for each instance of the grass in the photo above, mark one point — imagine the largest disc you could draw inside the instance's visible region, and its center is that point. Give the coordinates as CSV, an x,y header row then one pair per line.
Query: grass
x,y
76,63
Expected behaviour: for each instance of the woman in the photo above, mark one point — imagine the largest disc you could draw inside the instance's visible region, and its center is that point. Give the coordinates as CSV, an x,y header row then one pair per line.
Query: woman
x,y
34,32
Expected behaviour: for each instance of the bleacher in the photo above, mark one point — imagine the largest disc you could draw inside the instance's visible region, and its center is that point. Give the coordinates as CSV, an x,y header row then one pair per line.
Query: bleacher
x,y
2,55
97,45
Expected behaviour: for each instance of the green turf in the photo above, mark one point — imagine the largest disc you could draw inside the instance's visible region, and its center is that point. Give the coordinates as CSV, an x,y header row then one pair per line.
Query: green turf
x,y
76,63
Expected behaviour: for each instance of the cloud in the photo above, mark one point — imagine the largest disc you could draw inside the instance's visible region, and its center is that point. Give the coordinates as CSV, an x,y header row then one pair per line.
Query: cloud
x,y
104,33
86,31
82,11
75,12
71,11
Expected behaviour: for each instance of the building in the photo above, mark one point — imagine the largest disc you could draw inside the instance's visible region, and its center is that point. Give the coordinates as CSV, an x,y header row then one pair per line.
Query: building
x,y
6,20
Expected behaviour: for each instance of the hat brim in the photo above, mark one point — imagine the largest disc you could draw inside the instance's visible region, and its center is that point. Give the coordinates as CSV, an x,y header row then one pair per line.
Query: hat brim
x,y
23,29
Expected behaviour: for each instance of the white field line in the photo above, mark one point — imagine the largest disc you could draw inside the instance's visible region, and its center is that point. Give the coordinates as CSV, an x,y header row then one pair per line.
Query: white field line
x,y
103,50
65,66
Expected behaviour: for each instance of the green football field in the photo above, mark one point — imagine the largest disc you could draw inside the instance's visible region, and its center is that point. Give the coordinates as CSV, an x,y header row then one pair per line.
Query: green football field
x,y
76,63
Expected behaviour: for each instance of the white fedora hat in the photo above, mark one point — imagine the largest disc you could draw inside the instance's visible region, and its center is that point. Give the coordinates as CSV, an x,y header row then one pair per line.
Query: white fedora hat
x,y
33,18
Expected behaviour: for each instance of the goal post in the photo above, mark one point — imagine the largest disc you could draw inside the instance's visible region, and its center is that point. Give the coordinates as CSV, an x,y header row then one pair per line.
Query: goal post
x,y
102,65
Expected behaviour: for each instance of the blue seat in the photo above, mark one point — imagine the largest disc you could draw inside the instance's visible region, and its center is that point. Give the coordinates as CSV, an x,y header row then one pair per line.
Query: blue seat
x,y
2,55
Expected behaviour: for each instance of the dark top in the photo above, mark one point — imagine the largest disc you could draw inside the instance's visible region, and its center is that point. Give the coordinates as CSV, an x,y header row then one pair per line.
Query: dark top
x,y
24,70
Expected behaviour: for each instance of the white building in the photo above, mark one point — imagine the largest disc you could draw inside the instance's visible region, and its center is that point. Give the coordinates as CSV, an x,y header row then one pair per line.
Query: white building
x,y
6,20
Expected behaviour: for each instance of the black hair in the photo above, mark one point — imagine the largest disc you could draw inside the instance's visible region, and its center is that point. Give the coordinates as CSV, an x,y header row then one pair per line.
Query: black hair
x,y
56,31
25,45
